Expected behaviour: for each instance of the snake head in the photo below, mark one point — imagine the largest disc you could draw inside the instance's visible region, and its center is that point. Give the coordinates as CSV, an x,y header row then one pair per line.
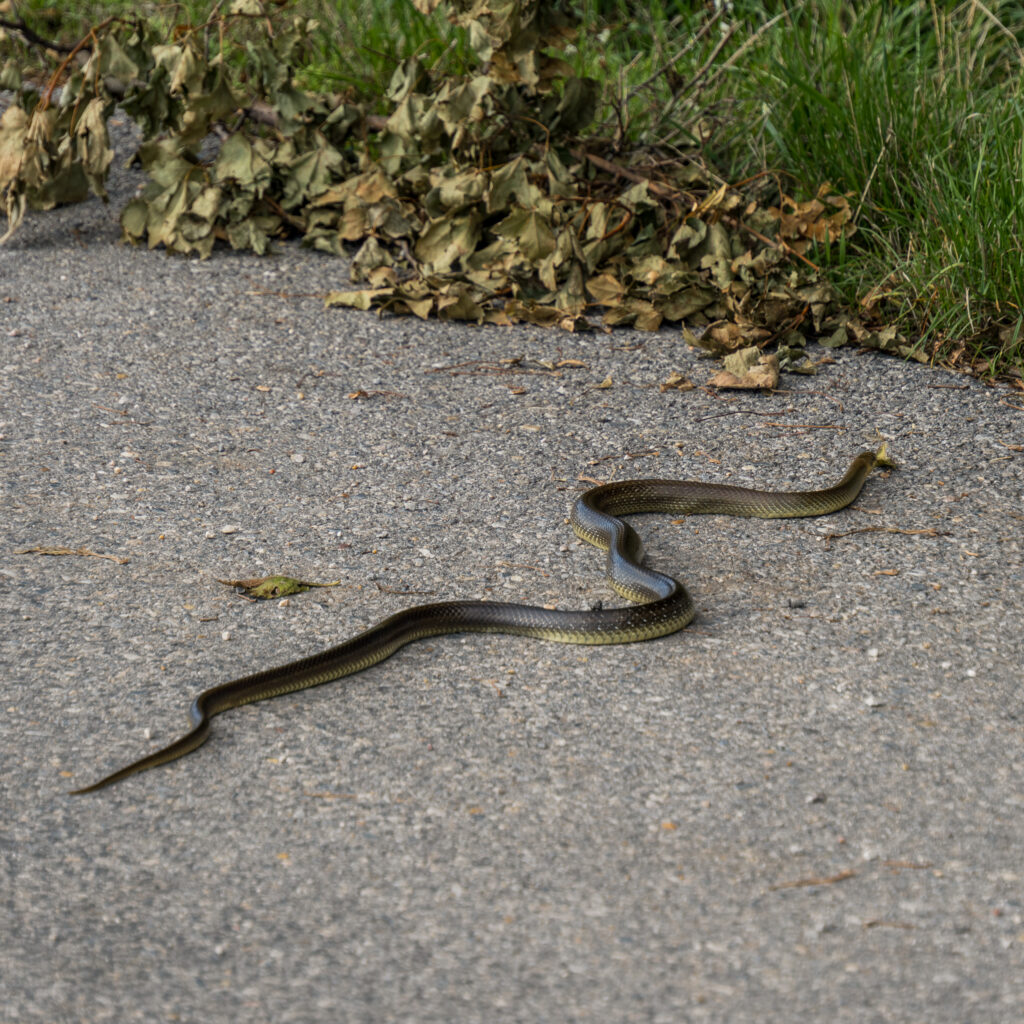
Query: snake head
x,y
882,458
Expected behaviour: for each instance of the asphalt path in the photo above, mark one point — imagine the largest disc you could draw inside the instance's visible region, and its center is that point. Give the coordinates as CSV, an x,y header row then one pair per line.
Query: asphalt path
x,y
807,806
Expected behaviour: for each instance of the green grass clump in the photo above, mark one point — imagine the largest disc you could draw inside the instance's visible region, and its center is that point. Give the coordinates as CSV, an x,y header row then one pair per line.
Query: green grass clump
x,y
917,110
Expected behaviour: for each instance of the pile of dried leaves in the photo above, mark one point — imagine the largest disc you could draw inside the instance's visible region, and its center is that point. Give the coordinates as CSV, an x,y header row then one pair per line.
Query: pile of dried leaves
x,y
480,198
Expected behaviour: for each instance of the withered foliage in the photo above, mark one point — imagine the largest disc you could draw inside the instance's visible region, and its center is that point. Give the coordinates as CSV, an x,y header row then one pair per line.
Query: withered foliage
x,y
476,198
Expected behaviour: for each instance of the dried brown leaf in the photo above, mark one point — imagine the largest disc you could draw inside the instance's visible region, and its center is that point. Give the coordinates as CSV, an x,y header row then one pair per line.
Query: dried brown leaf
x,y
748,370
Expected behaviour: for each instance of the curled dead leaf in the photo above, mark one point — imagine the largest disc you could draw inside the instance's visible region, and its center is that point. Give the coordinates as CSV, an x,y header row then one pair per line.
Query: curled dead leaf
x,y
267,587
677,382
726,336
748,370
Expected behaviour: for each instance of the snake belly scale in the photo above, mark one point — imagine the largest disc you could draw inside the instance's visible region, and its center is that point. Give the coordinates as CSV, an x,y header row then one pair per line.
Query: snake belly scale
x,y
661,603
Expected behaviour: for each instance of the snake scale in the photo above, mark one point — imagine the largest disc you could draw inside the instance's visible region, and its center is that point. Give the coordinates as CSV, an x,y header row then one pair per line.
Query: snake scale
x,y
661,603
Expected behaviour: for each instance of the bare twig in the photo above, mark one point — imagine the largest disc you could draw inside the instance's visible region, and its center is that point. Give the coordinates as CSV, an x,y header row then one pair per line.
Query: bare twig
x,y
889,136
70,551
840,876
742,48
82,44
776,244
670,63
32,37
700,72
928,532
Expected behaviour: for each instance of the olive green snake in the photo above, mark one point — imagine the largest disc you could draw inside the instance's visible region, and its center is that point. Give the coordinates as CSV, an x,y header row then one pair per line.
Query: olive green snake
x,y
662,604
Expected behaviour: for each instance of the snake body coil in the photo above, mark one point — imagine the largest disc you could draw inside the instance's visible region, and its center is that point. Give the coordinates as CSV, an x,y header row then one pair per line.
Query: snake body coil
x,y
662,603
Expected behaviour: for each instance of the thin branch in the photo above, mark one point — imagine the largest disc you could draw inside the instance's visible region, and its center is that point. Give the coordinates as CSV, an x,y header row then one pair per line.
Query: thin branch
x,y
743,47
700,72
91,35
670,63
778,243
726,64
32,37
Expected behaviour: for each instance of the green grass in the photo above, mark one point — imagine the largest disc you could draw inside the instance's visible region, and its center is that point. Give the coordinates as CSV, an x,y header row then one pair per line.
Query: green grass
x,y
918,111
915,108
362,42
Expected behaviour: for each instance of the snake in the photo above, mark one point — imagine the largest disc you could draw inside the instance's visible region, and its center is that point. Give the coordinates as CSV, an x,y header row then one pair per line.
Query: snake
x,y
660,604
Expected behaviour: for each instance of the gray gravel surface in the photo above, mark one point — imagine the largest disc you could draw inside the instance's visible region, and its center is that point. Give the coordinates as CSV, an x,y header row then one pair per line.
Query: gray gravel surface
x,y
807,806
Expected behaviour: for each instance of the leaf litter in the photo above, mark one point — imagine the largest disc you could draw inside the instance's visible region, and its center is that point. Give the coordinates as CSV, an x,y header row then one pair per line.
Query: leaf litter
x,y
476,198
